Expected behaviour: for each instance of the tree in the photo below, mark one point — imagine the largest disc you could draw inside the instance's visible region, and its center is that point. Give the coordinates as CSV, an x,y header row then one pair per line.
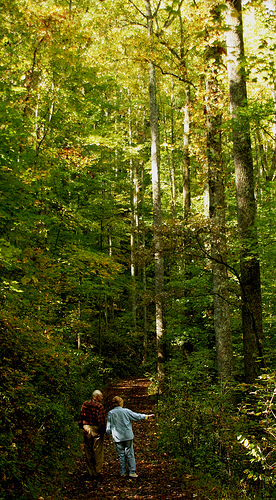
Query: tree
x,y
156,200
246,205
222,323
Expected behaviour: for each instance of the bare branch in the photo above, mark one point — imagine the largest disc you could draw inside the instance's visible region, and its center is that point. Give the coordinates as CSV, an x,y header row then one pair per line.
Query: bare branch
x,y
219,261
173,51
132,23
157,9
180,78
137,8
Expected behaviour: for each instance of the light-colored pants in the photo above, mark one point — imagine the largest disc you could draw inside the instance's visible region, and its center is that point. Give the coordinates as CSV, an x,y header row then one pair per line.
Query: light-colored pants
x,y
125,454
93,446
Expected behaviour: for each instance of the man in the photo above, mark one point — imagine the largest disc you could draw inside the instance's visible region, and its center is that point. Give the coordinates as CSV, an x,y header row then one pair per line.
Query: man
x,y
93,422
119,425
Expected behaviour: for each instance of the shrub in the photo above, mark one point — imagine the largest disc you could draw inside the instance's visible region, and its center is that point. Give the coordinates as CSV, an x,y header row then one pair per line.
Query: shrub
x,y
43,384
200,422
258,433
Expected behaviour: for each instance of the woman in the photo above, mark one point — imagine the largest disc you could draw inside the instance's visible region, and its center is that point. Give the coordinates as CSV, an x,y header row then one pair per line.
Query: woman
x,y
119,425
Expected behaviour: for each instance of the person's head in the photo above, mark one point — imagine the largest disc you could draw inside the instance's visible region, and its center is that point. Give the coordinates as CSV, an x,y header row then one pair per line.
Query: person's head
x,y
97,395
117,401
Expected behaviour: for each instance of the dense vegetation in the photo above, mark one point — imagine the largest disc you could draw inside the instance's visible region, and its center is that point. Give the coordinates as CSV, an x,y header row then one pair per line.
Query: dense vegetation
x,y
107,273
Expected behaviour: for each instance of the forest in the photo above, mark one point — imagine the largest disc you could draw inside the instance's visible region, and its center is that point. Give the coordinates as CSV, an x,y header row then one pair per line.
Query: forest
x,y
137,212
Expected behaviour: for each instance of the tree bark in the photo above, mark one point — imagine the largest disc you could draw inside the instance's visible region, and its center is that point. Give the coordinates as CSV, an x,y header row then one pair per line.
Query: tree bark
x,y
246,205
134,228
222,322
186,125
186,156
170,139
270,176
172,169
144,275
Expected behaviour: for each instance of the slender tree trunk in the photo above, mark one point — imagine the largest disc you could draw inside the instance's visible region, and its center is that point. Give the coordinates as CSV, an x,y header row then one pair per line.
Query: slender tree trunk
x,y
271,172
222,323
144,275
246,205
133,204
172,170
157,214
169,138
157,222
186,156
186,125
132,271
79,317
100,328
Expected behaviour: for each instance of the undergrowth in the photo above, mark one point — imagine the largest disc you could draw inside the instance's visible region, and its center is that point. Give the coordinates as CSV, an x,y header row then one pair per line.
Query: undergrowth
x,y
43,384
222,436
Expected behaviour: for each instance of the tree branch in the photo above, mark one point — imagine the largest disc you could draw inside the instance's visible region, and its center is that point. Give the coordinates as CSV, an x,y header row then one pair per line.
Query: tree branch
x,y
132,23
172,18
218,261
137,8
178,77
157,9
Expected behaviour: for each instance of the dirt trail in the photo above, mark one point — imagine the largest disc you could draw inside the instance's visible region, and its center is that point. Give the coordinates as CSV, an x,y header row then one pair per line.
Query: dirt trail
x,y
158,478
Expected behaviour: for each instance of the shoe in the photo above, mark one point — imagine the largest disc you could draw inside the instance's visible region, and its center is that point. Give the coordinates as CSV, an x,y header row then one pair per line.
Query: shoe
x,y
133,474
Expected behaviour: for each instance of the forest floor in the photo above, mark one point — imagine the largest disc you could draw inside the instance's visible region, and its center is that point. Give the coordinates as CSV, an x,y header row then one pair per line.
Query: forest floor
x,y
159,478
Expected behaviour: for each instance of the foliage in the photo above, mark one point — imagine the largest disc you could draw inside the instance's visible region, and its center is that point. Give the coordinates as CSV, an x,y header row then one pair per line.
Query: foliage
x,y
258,437
195,417
76,248
43,384
225,432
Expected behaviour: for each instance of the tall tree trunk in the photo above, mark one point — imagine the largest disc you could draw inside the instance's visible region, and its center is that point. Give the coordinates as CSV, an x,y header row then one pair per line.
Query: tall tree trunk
x,y
134,224
172,169
186,124
222,323
271,172
143,242
246,205
186,155
79,318
157,214
144,275
169,138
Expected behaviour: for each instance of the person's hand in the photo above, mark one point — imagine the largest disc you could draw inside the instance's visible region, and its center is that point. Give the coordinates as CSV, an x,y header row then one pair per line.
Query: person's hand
x,y
151,415
87,430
